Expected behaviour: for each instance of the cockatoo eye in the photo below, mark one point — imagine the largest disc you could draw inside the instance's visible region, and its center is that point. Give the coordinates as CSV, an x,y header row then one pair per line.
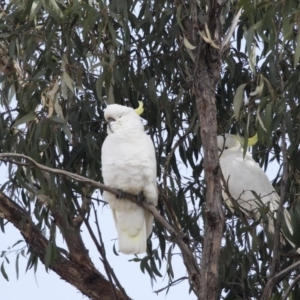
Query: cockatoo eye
x,y
225,148
110,120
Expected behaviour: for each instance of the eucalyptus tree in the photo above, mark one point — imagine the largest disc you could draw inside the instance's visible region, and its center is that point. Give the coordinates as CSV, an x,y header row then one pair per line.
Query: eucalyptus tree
x,y
201,68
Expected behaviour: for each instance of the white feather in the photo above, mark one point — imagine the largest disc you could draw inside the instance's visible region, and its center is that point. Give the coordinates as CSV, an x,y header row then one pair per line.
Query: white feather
x,y
129,164
243,175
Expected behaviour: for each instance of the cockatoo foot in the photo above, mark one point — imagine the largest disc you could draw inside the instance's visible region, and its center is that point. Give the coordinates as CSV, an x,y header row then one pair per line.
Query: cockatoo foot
x,y
120,195
140,198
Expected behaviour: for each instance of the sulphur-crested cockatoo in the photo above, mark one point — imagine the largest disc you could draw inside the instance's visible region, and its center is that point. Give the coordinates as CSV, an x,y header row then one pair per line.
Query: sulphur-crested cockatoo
x,y
129,164
242,175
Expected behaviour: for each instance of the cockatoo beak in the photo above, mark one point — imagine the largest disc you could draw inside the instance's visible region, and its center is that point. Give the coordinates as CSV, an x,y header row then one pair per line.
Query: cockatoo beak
x,y
223,146
109,120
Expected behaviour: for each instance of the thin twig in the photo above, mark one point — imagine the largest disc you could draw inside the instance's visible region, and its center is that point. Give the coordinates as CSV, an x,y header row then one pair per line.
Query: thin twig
x,y
277,278
106,263
85,206
165,173
289,289
280,207
101,250
113,288
171,284
229,33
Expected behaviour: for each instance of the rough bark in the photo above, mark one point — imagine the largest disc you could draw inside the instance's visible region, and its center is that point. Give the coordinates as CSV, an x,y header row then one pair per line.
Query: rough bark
x,y
206,76
85,278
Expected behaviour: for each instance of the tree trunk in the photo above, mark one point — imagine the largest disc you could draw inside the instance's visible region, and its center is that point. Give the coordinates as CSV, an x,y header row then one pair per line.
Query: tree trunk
x,y
206,76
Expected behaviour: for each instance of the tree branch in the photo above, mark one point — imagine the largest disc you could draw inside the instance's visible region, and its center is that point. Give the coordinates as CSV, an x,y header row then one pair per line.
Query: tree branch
x,y
278,277
165,197
171,284
289,289
189,260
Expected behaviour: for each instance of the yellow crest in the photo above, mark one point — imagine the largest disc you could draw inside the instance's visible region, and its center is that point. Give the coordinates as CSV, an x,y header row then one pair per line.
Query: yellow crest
x,y
251,141
140,109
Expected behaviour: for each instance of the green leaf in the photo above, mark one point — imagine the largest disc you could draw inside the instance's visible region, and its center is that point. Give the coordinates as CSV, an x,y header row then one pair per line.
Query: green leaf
x,y
178,17
17,265
252,59
12,47
68,81
2,225
31,116
154,268
57,119
115,250
169,261
152,90
17,243
258,117
4,274
145,266
35,8
297,51
238,100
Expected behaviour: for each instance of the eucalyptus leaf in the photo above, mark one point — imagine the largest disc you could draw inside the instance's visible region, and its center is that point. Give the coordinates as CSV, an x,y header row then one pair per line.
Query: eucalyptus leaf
x,y
238,100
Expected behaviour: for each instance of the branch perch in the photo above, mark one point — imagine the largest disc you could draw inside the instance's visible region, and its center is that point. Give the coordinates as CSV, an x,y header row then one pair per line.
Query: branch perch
x,y
189,259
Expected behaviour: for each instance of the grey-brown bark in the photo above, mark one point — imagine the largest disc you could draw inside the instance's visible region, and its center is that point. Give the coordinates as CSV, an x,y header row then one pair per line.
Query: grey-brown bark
x,y
206,76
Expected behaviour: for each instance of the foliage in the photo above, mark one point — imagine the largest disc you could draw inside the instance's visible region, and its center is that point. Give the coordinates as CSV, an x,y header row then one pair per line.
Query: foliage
x,y
62,61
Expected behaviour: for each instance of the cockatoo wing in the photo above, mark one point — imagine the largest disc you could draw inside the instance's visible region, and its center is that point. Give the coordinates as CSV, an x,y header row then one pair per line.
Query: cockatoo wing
x,y
129,164
244,176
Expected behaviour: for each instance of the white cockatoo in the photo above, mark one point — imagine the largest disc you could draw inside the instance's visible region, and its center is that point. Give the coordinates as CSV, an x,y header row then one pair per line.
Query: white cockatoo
x,y
243,175
129,164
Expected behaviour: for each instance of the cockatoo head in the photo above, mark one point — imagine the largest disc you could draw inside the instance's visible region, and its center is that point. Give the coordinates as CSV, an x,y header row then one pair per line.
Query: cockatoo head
x,y
121,117
228,142
231,142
